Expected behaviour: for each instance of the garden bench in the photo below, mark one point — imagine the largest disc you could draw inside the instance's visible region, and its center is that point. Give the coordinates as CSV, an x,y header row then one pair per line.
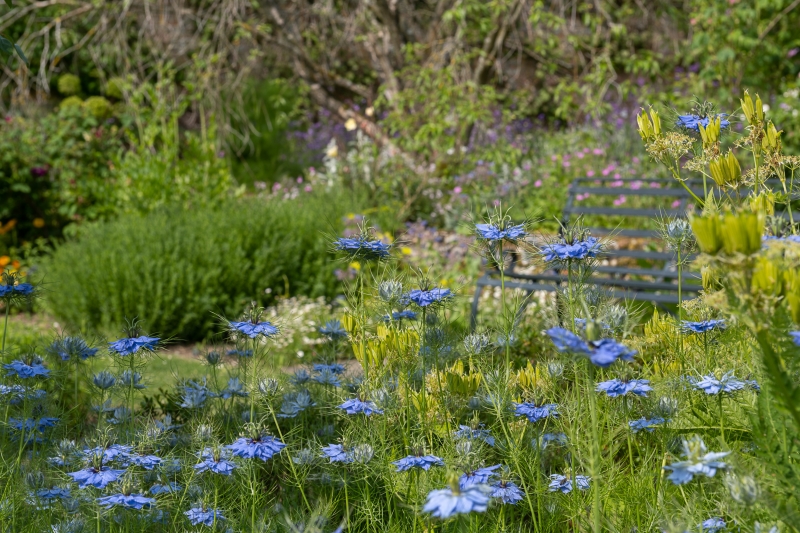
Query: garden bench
x,y
630,273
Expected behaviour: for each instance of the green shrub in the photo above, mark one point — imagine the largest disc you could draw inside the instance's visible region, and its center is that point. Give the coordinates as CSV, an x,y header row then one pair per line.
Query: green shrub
x,y
70,102
69,84
174,268
98,106
114,88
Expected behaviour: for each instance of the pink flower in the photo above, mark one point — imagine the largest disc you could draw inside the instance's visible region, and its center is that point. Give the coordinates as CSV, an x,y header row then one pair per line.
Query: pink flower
x,y
676,204
617,175
617,183
635,159
589,173
537,183
597,151
581,197
654,185
553,158
621,200
565,164
636,185
276,187
299,179
587,150
606,172
457,190
307,188
497,202
579,155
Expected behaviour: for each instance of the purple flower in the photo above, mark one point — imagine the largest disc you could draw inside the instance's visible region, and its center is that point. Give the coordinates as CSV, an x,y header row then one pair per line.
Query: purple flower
x,y
466,432
713,525
207,517
216,462
601,353
617,387
711,385
131,501
577,251
692,122
533,412
699,461
645,424
337,453
476,477
563,484
129,346
507,492
425,298
95,477
356,406
445,503
261,448
253,330
702,326
424,462
491,232
24,371
362,248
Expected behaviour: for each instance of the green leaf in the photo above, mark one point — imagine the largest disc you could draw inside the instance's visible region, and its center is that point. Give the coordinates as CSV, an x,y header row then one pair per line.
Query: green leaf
x,y
21,54
8,3
5,45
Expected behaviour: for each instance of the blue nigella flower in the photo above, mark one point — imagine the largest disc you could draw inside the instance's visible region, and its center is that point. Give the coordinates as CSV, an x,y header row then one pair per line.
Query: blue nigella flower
x,y
30,424
491,232
795,335
699,461
702,327
164,489
337,453
445,503
115,452
692,122
336,368
71,349
295,403
507,492
195,395
333,330
104,380
601,353
534,412
399,316
253,330
711,385
466,432
234,388
617,387
131,501
126,381
201,515
476,477
356,406
577,251
95,477
241,353
563,484
130,346
713,525
326,376
430,297
645,424
300,376
362,248
425,462
557,439
148,462
24,371
216,462
22,289
54,493
260,448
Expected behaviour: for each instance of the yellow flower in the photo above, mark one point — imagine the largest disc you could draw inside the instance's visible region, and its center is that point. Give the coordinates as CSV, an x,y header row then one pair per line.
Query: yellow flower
x,y
350,125
405,250
38,222
444,282
355,265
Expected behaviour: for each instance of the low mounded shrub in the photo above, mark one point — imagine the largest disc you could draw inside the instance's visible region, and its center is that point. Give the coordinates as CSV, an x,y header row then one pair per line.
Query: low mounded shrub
x,y
175,268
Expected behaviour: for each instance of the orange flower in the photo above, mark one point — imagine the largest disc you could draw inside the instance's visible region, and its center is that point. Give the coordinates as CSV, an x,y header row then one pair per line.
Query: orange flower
x,y
38,222
8,226
4,260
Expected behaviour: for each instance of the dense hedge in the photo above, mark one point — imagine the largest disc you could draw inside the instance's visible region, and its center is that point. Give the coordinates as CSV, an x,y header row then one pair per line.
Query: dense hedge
x,y
174,268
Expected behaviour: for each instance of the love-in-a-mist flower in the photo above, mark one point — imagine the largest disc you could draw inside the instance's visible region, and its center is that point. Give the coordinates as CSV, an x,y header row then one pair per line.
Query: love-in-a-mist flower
x,y
645,424
576,251
95,477
533,412
130,346
712,525
507,492
235,388
254,329
71,349
131,501
502,232
362,247
424,462
165,488
399,316
712,385
478,476
337,453
263,447
425,298
563,484
216,461
25,370
618,387
601,353
703,326
693,122
333,329
205,516
356,406
448,502
466,432
327,377
699,461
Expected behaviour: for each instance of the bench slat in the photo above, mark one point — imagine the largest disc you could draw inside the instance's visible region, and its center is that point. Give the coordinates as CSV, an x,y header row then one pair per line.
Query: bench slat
x,y
621,211
624,283
621,294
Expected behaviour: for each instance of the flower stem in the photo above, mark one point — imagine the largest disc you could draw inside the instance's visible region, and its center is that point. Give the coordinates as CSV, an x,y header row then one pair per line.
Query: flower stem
x,y
595,456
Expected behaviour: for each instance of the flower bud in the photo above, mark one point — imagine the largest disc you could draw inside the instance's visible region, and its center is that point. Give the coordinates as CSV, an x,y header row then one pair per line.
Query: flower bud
x,y
710,134
742,489
771,142
753,111
725,170
363,453
390,291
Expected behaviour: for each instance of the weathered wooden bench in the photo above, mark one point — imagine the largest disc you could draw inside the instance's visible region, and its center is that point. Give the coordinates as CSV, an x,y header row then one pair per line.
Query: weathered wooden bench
x,y
634,273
